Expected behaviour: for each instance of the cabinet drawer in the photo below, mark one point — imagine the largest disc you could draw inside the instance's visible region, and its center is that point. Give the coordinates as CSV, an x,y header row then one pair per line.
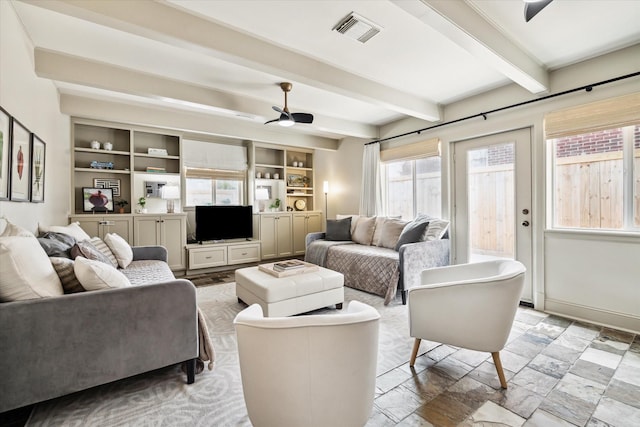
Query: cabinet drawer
x,y
241,254
207,257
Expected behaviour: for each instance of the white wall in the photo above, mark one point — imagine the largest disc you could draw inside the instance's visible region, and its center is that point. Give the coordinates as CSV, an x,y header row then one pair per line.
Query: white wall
x,y
343,169
569,275
34,102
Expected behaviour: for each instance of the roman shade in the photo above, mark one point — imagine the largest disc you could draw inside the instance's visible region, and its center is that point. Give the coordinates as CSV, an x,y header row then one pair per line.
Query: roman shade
x,y
607,114
428,148
210,155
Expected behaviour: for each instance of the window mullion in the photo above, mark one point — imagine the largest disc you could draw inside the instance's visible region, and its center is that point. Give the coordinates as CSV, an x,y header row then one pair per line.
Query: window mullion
x,y
414,204
627,177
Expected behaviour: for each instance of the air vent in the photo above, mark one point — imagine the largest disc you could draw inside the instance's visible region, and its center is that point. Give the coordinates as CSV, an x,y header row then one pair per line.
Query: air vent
x,y
356,27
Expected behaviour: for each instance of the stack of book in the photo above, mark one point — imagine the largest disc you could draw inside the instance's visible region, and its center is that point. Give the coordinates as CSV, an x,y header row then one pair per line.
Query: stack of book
x,y
292,264
155,169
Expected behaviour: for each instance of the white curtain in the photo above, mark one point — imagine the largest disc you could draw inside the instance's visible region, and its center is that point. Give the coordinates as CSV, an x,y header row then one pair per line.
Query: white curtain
x,y
371,193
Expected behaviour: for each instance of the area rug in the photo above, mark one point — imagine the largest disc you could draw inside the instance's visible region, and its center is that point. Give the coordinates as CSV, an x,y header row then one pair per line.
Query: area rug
x,y
210,279
161,398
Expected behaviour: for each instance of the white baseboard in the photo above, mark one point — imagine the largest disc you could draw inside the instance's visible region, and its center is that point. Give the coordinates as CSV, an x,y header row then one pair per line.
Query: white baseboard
x,y
598,316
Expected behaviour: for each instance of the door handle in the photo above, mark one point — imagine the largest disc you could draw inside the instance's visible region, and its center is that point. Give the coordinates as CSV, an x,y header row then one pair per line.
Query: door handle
x,y
525,223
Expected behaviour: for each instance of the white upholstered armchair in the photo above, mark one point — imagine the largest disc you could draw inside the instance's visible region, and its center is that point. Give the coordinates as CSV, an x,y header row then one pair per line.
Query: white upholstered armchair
x,y
467,305
316,370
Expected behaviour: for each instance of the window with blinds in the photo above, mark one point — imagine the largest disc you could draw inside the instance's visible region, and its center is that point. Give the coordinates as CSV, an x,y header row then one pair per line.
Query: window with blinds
x,y
412,179
595,165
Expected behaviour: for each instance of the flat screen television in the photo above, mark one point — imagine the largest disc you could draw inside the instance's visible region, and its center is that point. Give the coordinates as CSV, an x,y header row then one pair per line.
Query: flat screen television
x,y
223,222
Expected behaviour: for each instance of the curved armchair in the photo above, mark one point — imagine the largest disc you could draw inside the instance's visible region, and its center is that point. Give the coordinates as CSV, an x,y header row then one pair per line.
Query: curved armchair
x,y
316,370
467,305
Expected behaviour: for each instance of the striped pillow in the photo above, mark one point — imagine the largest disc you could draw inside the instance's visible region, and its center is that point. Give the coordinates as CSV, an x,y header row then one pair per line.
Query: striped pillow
x,y
64,268
104,248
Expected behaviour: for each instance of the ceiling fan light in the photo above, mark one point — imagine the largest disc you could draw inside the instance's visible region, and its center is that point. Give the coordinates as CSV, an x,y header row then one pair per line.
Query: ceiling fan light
x,y
286,122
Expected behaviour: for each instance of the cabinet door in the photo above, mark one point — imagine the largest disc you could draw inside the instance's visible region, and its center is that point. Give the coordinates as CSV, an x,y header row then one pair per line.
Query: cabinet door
x,y
146,231
91,226
284,229
120,226
299,232
173,232
268,236
314,222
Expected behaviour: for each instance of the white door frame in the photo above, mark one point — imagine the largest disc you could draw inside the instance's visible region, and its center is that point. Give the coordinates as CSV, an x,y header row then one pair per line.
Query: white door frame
x,y
523,198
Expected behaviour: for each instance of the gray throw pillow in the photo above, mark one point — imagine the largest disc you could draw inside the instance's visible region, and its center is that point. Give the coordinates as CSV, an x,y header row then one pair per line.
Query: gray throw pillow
x,y
64,268
57,244
412,232
338,229
87,250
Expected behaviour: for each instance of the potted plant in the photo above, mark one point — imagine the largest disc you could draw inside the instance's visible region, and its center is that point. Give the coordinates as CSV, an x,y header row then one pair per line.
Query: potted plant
x,y
275,206
121,204
142,202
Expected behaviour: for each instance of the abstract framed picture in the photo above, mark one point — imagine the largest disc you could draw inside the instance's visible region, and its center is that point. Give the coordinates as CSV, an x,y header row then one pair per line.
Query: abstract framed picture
x,y
97,199
20,158
5,146
38,151
113,184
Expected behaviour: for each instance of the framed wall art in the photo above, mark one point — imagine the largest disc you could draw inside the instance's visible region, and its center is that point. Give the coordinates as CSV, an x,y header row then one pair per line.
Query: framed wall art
x,y
38,151
97,199
20,158
5,146
113,184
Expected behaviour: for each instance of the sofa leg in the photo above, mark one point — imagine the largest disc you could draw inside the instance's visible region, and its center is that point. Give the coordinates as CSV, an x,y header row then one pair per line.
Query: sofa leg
x,y
191,371
339,306
404,297
414,353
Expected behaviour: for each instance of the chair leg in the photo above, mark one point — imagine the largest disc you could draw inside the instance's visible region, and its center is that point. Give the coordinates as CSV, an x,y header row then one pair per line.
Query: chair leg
x,y
414,353
498,363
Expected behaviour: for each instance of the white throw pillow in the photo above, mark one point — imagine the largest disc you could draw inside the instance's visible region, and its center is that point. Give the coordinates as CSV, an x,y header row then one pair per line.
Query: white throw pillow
x,y
12,229
72,229
120,248
436,229
25,270
391,230
96,275
363,232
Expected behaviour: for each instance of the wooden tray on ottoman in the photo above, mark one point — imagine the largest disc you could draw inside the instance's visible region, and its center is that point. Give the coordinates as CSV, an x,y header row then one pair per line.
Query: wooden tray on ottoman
x,y
307,268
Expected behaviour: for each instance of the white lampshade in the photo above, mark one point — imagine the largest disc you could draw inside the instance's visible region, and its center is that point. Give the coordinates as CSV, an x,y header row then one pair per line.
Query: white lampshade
x,y
170,192
325,187
262,194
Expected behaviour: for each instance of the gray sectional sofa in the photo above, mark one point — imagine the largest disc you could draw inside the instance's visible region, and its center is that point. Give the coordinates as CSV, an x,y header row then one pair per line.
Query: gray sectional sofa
x,y
373,257
55,345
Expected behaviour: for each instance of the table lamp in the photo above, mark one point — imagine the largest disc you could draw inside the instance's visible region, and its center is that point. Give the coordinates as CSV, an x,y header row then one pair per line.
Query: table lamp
x,y
261,195
170,193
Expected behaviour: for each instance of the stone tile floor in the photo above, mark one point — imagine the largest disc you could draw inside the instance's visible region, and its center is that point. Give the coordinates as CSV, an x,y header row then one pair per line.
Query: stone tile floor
x,y
559,373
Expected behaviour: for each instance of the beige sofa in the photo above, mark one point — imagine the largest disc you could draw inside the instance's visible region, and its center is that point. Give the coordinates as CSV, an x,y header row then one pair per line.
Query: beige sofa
x,y
381,255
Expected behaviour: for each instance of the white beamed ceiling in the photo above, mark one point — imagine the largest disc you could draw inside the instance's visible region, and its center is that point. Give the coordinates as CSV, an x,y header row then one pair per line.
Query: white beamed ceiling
x,y
221,61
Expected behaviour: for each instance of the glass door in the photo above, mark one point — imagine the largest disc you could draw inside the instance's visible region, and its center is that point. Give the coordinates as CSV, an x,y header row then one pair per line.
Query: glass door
x,y
493,200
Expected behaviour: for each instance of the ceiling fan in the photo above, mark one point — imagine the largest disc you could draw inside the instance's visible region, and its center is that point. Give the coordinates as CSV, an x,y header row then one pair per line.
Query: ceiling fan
x,y
532,7
286,118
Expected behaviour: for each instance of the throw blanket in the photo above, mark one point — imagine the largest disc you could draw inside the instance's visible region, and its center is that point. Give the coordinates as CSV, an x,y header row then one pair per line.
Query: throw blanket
x,y
317,251
204,341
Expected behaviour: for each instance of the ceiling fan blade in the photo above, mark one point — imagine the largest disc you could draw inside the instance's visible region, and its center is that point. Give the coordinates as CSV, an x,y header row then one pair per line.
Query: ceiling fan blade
x,y
278,109
532,9
271,121
302,117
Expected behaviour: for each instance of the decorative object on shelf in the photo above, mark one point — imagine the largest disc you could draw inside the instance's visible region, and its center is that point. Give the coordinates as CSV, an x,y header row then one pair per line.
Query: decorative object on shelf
x,y
276,176
295,180
295,164
95,145
142,202
157,152
20,155
171,193
97,199
300,204
300,164
5,127
101,165
113,184
108,146
262,194
38,150
275,206
289,209
121,204
267,175
258,175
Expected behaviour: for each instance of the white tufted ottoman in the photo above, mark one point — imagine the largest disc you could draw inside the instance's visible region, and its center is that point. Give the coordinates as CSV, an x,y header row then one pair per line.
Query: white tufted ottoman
x,y
286,296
